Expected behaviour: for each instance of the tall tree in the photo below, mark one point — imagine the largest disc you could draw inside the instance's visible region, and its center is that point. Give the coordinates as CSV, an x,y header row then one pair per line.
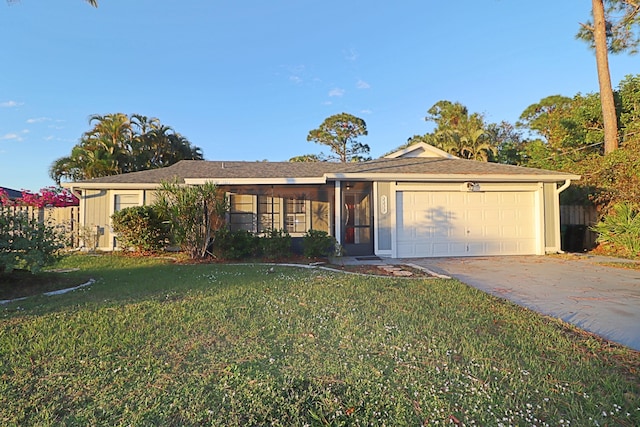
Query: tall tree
x,y
508,141
629,112
612,30
118,144
340,132
460,133
547,118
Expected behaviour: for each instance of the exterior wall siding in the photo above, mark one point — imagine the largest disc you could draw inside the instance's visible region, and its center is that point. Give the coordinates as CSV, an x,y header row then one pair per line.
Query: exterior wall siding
x,y
383,217
95,211
551,238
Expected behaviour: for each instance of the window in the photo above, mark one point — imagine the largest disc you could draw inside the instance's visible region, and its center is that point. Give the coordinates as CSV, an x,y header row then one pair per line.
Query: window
x,y
122,201
241,212
295,216
260,213
268,213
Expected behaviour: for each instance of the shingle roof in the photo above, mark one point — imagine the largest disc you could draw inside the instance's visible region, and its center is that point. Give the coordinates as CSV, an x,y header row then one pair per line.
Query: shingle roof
x,y
443,166
398,167
13,194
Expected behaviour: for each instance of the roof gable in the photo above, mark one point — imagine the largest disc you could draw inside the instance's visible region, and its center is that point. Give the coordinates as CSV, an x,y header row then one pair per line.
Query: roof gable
x,y
420,149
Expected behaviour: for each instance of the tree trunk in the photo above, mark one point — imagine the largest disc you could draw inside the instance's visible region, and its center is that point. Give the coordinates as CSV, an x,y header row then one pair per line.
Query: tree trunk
x,y
609,118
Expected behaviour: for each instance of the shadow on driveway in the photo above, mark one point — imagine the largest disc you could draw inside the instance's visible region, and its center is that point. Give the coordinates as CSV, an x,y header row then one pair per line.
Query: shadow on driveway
x,y
578,289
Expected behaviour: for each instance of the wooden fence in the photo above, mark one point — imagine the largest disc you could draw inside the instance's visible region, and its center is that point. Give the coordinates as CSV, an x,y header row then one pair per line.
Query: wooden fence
x,y
575,225
66,220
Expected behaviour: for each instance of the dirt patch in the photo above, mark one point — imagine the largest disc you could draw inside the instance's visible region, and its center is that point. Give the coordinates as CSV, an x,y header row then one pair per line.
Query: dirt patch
x,y
381,270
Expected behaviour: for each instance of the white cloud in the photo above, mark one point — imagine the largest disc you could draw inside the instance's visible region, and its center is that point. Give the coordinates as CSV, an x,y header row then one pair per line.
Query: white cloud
x,y
10,104
336,92
350,54
361,84
366,111
11,137
296,73
39,120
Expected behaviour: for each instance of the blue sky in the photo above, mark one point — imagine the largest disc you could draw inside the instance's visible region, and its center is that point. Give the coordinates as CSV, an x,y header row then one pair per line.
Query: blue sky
x,y
248,80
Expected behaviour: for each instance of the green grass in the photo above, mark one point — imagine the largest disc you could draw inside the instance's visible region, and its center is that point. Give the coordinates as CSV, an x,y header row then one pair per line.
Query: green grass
x,y
155,343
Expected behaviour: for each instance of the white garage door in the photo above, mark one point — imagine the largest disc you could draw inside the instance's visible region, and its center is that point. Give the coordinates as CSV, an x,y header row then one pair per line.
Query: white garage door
x,y
432,224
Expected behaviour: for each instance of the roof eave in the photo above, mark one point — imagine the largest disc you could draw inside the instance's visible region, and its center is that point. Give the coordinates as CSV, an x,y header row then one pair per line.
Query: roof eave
x,y
451,177
256,181
111,185
415,177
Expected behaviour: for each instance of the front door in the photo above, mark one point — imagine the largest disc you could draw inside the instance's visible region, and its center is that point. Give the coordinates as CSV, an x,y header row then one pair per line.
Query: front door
x,y
357,230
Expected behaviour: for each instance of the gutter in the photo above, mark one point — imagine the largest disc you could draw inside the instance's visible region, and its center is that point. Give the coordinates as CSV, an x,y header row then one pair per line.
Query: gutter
x,y
75,192
567,183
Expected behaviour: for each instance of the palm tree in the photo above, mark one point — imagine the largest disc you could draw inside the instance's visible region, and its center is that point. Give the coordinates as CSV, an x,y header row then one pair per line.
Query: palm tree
x,y
460,133
111,134
470,144
118,144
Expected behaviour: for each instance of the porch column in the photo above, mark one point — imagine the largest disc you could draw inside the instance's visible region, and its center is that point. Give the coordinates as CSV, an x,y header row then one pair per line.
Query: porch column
x,y
338,212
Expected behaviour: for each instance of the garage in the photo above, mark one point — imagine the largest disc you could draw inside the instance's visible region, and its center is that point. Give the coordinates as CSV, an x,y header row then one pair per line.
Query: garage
x,y
460,223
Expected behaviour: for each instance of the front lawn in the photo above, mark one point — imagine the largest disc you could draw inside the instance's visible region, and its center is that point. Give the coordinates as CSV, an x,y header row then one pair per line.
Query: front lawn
x,y
156,343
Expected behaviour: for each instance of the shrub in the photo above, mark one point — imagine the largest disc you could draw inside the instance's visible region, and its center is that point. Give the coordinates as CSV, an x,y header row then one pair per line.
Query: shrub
x,y
195,213
237,244
25,242
141,228
317,243
621,228
275,244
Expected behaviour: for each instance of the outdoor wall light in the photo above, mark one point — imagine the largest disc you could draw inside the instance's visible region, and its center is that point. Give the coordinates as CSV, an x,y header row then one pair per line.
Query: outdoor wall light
x,y
473,186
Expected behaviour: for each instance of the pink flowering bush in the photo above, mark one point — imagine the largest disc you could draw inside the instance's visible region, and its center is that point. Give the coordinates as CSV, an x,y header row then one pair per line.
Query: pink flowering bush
x,y
48,197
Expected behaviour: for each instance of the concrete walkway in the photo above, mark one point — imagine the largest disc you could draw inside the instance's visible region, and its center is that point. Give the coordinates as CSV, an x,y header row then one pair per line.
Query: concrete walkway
x,y
578,289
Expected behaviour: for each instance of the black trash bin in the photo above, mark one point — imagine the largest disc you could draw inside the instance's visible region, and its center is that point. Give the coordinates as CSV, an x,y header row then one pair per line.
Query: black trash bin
x,y
579,234
574,238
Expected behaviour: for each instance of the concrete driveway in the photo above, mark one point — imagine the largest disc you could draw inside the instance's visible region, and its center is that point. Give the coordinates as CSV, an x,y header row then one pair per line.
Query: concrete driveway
x,y
575,288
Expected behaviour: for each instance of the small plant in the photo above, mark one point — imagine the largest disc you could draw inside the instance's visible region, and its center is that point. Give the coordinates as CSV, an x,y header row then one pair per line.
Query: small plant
x,y
316,243
275,244
236,244
141,228
26,243
89,235
621,228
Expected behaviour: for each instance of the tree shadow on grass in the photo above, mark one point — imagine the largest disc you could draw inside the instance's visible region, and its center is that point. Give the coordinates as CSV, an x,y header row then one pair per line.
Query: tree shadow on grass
x,y
116,284
22,283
